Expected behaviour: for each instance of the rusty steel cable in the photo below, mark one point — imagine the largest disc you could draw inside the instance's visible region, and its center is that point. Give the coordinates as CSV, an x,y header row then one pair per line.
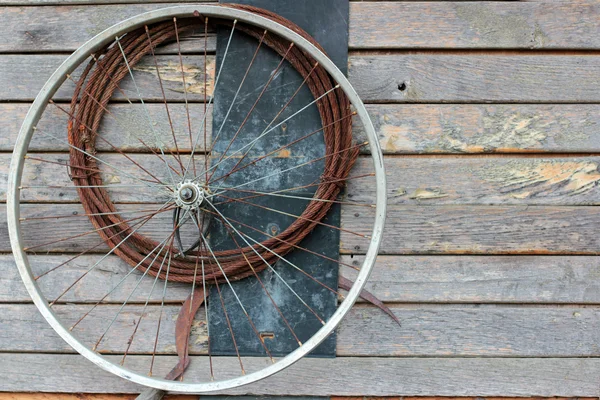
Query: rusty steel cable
x,y
95,88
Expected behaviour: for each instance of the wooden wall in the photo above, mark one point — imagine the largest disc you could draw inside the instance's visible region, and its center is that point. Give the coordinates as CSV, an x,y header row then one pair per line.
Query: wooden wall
x,y
489,115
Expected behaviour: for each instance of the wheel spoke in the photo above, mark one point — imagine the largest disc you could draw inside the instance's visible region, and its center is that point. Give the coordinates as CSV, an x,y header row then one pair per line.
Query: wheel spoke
x,y
162,90
267,131
187,168
269,266
156,137
236,296
112,250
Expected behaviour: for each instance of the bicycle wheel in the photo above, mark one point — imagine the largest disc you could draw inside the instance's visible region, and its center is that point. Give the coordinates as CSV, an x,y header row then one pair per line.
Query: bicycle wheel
x,y
116,169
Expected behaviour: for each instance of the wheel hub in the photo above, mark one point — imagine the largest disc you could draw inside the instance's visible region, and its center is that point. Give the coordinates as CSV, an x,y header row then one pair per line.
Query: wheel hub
x,y
190,195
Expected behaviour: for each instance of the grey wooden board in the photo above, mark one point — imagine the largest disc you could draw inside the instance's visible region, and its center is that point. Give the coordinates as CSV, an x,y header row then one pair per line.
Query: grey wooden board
x,y
429,77
477,230
465,77
122,127
402,129
25,82
407,279
453,229
373,25
423,181
344,376
312,16
427,330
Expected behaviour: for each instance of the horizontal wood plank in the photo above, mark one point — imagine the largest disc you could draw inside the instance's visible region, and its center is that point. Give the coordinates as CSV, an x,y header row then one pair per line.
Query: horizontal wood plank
x,y
482,279
424,180
405,279
372,25
477,78
22,76
121,127
403,78
426,330
484,128
402,129
482,180
343,375
446,24
409,229
476,230
428,180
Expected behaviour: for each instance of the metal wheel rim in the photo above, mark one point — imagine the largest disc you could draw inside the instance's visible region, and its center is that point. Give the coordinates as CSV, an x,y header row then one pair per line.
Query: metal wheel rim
x,y
26,133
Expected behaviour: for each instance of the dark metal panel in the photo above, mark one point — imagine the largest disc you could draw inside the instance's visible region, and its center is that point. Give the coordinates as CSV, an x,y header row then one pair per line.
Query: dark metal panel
x,y
328,23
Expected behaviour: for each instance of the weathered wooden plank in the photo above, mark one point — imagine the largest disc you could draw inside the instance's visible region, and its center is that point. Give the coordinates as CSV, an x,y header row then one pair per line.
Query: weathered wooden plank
x,y
430,279
22,76
426,330
460,229
402,129
495,279
48,181
89,290
486,180
344,376
491,77
412,78
476,230
424,180
462,25
372,25
122,127
479,128
44,28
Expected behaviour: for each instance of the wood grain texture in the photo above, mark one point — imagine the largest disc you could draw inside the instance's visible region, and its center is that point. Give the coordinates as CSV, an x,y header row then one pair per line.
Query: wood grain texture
x,y
477,230
372,25
482,181
460,229
428,77
483,128
343,376
22,76
402,129
493,77
405,279
122,127
426,330
482,279
467,25
423,181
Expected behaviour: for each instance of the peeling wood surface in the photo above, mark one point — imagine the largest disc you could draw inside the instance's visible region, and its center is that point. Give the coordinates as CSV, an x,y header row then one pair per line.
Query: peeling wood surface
x,y
344,376
428,77
423,181
387,25
485,128
402,129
